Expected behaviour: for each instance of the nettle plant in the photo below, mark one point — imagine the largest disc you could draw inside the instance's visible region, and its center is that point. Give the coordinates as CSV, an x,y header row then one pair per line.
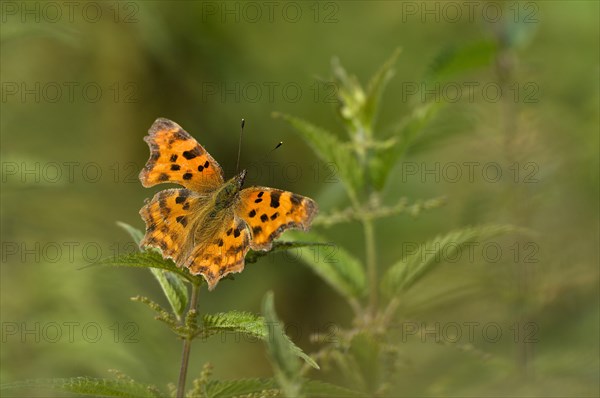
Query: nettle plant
x,y
362,351
365,353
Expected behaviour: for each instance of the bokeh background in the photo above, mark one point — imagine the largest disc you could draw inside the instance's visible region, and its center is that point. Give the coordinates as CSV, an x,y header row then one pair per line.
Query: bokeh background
x,y
81,86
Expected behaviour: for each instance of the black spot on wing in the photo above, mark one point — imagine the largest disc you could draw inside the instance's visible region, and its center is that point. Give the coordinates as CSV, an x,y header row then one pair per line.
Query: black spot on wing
x,y
275,199
183,195
252,213
181,135
175,167
296,199
264,218
187,176
191,154
173,158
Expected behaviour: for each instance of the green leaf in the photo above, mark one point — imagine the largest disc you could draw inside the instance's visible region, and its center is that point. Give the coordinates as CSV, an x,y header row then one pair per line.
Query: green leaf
x,y
174,289
89,386
453,61
331,150
135,233
315,388
405,273
384,160
146,259
236,388
235,321
340,269
260,388
351,101
366,353
172,285
375,89
278,246
248,324
281,351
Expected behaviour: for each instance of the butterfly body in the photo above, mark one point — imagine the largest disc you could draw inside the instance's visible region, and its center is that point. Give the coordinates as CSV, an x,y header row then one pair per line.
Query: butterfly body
x,y
227,195
209,225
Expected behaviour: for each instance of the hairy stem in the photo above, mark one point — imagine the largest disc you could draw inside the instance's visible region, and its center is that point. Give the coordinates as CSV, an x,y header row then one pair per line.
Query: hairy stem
x,y
371,264
187,345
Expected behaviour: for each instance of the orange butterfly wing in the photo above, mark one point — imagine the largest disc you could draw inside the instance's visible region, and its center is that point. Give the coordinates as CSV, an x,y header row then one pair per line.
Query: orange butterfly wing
x,y
176,157
222,252
268,212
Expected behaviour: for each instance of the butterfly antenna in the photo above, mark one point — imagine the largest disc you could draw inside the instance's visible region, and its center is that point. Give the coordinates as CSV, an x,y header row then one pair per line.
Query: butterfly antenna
x,y
266,156
237,166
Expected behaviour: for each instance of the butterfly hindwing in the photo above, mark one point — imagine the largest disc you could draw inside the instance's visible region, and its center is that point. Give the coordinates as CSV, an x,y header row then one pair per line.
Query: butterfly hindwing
x,y
169,218
268,212
176,157
222,251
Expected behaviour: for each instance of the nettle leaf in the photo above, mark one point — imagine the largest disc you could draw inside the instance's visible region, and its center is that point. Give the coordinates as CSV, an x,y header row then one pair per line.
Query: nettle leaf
x,y
89,386
405,273
366,351
146,259
351,98
135,233
250,325
283,352
235,321
385,159
254,256
242,387
174,289
315,388
330,149
260,388
375,89
172,284
453,61
340,269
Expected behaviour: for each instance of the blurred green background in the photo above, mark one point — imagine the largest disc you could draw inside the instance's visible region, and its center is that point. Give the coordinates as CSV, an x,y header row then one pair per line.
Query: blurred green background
x,y
81,86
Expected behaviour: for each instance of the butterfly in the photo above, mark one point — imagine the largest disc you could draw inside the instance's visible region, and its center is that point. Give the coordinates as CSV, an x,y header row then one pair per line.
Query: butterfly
x,y
209,225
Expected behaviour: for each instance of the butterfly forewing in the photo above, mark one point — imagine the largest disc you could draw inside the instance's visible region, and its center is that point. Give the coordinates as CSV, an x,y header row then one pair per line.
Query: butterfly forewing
x,y
176,157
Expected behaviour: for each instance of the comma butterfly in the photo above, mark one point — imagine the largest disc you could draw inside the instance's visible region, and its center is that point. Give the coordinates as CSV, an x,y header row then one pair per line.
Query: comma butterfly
x,y
209,225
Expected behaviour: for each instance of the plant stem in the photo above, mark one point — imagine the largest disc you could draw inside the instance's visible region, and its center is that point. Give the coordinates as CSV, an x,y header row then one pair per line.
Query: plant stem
x,y
371,264
187,345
